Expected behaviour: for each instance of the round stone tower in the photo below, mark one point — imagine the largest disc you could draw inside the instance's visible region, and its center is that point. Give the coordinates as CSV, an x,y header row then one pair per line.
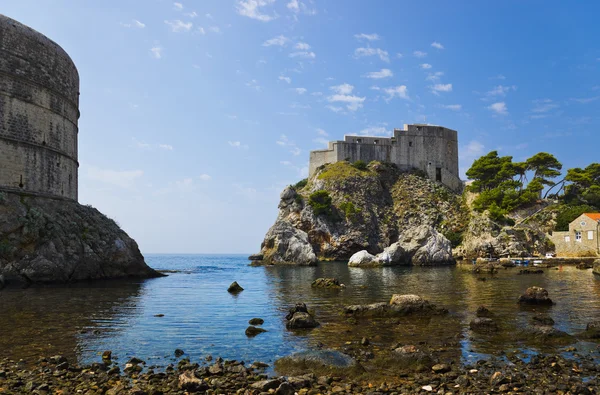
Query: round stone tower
x,y
39,110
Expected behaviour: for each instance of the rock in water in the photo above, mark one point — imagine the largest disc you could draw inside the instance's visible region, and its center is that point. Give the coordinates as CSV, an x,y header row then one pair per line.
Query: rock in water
x,y
483,324
234,288
57,241
300,318
535,295
285,244
256,321
326,283
362,258
252,331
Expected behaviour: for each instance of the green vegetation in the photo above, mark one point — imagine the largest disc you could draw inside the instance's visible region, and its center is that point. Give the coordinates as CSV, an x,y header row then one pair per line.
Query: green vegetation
x,y
320,201
455,238
584,185
500,182
360,165
350,210
341,170
300,184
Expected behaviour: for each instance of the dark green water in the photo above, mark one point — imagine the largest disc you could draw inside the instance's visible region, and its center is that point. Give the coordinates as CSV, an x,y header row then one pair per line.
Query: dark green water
x,y
201,318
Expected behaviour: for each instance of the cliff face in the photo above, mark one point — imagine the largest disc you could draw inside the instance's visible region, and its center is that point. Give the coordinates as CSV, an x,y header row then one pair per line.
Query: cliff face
x,y
47,240
370,210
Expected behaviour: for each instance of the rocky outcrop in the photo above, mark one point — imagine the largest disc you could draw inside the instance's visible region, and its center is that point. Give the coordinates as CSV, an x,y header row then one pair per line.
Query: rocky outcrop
x,y
300,318
399,305
535,296
422,245
327,283
46,240
398,216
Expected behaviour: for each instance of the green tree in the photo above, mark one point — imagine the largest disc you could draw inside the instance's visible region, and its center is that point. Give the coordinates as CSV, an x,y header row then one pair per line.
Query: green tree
x,y
545,167
320,201
489,171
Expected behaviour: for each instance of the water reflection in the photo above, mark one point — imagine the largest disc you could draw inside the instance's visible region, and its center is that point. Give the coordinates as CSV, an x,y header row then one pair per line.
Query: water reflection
x,y
202,318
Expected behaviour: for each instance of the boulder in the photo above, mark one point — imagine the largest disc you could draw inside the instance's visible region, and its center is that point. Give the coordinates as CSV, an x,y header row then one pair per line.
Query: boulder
x,y
547,333
362,258
542,320
256,257
299,318
234,288
399,305
592,330
410,356
326,283
190,383
426,246
483,311
285,244
483,324
535,296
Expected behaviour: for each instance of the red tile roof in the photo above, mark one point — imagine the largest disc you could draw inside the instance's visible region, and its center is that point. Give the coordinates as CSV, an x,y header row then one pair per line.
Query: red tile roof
x,y
594,216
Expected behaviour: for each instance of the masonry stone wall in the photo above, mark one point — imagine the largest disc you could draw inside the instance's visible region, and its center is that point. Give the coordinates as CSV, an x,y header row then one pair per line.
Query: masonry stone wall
x,y
566,243
432,149
39,111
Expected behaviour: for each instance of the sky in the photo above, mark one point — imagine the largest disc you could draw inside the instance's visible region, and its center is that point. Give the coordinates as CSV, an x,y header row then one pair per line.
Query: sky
x,y
195,114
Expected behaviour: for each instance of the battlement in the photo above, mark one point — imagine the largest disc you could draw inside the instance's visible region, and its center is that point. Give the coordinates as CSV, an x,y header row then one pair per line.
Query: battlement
x,y
430,148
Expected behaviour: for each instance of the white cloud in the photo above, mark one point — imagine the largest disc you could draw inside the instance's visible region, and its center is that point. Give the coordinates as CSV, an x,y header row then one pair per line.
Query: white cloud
x,y
383,73
237,144
302,46
297,6
544,106
134,24
286,79
321,132
123,179
472,150
399,91
178,6
453,107
285,142
437,88
252,9
300,91
166,147
254,85
214,29
201,30
303,54
434,76
383,55
375,131
294,6
296,151
586,99
192,14
205,177
335,108
178,26
343,94
437,45
280,41
500,90
321,141
419,54
499,108
399,55
209,16
369,37
156,52
426,66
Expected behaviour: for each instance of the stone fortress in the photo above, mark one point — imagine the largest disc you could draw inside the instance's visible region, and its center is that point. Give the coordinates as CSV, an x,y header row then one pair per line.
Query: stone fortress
x,y
39,110
432,149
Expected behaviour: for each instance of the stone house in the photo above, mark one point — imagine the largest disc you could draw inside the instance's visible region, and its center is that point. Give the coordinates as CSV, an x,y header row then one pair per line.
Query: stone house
x,y
581,239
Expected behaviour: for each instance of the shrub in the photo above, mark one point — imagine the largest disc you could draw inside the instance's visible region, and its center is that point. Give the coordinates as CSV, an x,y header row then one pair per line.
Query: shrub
x,y
320,201
455,238
300,184
349,210
360,165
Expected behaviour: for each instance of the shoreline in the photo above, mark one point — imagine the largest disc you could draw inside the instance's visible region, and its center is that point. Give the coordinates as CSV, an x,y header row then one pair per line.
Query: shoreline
x,y
548,373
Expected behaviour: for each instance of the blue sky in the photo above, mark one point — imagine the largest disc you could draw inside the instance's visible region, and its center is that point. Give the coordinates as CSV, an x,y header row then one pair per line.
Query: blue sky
x,y
196,113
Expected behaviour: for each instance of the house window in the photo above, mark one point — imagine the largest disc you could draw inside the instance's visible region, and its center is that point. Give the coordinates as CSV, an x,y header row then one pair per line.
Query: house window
x,y
438,174
410,143
376,142
590,235
567,239
359,140
577,236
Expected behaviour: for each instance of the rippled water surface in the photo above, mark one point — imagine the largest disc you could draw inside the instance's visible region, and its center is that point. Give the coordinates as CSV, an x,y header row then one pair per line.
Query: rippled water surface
x,y
201,318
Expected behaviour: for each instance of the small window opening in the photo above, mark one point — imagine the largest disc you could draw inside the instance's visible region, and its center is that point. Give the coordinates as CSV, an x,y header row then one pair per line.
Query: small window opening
x,y
577,235
438,174
376,142
410,143
21,185
359,140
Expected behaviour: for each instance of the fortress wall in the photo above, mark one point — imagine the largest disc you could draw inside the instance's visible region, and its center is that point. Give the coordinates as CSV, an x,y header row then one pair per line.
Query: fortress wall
x,y
39,98
321,157
364,151
41,171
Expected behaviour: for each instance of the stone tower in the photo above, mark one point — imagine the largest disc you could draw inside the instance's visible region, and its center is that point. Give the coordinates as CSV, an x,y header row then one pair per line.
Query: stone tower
x,y
39,110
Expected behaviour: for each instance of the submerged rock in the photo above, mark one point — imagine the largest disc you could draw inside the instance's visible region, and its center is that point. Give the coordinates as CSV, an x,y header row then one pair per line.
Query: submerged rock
x,y
413,357
326,283
252,331
535,295
58,241
256,321
399,305
483,324
315,359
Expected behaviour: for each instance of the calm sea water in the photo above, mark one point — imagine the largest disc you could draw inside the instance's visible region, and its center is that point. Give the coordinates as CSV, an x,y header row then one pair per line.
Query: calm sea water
x,y
202,318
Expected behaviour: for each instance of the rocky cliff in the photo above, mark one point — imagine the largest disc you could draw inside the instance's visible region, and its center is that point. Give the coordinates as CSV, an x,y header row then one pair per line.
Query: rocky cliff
x,y
345,209
49,240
